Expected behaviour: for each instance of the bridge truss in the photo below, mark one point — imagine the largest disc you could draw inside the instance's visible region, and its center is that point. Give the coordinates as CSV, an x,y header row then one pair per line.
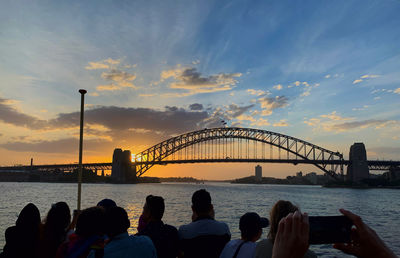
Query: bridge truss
x,y
238,145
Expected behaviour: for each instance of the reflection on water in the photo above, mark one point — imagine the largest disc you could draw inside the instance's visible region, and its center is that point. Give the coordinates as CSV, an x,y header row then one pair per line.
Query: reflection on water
x,y
380,208
134,212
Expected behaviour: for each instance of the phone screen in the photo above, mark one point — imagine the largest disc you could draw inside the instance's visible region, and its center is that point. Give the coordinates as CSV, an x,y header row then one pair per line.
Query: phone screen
x,y
329,229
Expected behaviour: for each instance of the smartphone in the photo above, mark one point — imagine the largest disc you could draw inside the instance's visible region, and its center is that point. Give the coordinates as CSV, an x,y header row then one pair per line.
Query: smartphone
x,y
329,229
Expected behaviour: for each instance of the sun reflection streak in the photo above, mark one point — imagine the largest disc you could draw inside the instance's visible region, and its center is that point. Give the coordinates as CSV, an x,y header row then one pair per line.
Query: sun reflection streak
x,y
134,212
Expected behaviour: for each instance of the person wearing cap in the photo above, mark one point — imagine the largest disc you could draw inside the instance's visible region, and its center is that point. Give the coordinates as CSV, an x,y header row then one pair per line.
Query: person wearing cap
x,y
250,225
204,237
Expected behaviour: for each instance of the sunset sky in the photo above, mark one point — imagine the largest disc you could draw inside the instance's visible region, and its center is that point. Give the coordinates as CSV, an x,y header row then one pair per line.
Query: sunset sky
x,y
324,71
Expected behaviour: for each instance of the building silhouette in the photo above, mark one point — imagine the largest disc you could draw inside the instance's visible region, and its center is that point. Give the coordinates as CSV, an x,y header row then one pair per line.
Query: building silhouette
x,y
258,173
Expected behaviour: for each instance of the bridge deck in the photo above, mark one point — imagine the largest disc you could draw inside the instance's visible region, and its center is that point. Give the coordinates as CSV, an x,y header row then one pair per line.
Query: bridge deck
x,y
373,164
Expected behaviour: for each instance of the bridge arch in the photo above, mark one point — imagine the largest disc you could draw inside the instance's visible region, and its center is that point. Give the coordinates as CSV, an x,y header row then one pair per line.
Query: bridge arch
x,y
307,152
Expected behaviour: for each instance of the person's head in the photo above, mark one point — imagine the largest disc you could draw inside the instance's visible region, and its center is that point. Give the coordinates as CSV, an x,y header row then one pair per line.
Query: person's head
x,y
29,217
201,202
280,210
153,209
58,218
106,204
90,222
117,221
251,225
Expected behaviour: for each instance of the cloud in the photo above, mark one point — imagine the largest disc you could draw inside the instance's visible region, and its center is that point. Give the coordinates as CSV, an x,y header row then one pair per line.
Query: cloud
x,y
335,116
369,76
120,79
196,106
171,120
260,122
298,83
190,80
366,76
235,110
147,95
104,64
118,76
246,118
305,93
361,108
258,92
228,114
278,87
387,152
11,115
377,123
268,104
335,123
397,91
281,123
108,87
67,145
95,66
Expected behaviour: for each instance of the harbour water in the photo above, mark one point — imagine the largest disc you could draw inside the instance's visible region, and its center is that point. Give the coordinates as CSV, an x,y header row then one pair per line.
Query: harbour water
x,y
380,208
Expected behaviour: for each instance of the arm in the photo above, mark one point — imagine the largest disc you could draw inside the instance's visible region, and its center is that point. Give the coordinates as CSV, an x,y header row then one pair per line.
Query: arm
x,y
364,240
292,237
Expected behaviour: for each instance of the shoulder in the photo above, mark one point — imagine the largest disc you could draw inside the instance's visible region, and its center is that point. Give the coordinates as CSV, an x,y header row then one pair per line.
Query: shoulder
x,y
142,240
229,248
10,230
203,227
233,243
263,248
170,228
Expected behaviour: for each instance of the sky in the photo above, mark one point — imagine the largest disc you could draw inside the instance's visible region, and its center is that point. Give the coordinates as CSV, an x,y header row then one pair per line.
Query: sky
x,y
327,72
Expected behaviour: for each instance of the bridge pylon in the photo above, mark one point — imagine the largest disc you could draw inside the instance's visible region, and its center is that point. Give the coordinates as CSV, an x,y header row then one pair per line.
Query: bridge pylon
x,y
122,170
358,169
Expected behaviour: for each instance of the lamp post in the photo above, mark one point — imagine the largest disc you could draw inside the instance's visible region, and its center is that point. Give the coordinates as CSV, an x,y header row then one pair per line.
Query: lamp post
x,y
82,92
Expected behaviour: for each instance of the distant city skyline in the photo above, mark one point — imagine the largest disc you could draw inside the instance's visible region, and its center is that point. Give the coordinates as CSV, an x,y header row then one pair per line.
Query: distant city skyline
x,y
323,71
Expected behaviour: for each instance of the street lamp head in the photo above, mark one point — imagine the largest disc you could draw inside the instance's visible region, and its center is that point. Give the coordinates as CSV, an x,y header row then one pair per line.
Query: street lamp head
x,y
82,91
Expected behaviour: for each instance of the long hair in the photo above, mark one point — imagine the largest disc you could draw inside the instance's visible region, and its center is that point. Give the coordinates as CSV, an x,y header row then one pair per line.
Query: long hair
x,y
55,229
280,210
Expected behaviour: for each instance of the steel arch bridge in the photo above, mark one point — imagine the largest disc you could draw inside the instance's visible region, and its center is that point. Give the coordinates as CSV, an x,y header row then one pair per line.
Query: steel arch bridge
x,y
233,144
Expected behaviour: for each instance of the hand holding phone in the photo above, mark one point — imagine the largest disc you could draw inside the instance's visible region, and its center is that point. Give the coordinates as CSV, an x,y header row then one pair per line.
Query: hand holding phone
x,y
364,240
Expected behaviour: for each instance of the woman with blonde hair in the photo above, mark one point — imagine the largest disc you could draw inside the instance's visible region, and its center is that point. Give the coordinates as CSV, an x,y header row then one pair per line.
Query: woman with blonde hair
x,y
280,210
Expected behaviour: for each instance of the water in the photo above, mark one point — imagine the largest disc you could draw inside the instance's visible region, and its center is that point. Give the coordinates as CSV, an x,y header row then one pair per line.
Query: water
x,y
380,208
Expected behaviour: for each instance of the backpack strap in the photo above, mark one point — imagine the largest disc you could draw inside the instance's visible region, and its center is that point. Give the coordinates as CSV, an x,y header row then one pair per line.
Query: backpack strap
x,y
238,249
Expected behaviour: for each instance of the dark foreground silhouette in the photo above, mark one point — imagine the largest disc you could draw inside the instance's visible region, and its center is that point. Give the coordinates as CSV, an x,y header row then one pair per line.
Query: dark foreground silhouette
x,y
102,231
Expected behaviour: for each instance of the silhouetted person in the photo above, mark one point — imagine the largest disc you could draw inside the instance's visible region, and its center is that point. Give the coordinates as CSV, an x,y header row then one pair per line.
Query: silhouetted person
x,y
204,237
54,229
280,210
121,244
106,203
250,225
22,239
165,237
88,235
